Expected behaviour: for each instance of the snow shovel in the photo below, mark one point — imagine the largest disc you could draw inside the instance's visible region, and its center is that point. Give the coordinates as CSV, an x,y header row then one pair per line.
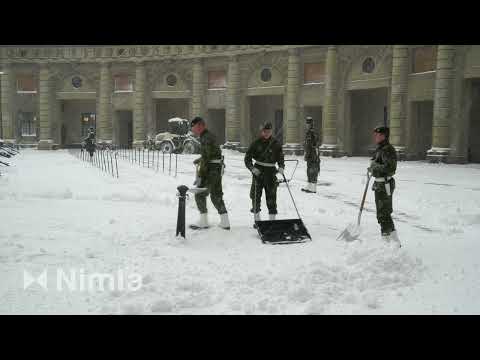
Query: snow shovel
x,y
352,232
288,231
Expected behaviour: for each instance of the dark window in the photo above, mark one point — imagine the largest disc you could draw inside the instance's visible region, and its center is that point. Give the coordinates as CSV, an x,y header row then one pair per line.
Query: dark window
x,y
123,83
171,80
424,59
217,79
77,82
266,75
314,73
368,65
88,121
27,123
26,83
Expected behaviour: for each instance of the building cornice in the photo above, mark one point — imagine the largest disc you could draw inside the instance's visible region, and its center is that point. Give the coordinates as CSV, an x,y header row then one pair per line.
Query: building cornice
x,y
144,53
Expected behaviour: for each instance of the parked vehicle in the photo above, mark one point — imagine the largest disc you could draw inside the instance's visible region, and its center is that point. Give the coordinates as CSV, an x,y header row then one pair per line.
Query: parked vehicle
x,y
178,138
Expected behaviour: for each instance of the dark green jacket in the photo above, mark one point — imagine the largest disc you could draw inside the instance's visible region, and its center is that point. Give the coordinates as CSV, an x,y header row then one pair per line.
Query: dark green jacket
x,y
384,160
90,142
209,150
267,151
310,145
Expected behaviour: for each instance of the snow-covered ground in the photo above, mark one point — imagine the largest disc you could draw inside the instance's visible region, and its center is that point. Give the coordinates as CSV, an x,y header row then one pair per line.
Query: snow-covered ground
x,y
57,212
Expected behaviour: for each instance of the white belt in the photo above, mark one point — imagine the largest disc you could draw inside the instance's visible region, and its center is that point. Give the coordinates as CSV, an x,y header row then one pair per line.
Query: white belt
x,y
382,179
264,164
217,161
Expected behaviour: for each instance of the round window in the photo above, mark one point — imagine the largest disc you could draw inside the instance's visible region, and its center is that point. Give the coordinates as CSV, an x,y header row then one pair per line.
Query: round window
x,y
171,80
368,65
76,82
266,75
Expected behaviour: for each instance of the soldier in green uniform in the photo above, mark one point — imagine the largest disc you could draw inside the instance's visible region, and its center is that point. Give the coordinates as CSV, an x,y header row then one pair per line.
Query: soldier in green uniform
x,y
209,176
382,168
267,152
311,157
90,142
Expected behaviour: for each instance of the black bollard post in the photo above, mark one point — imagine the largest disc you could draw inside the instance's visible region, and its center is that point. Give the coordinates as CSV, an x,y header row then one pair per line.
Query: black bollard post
x,y
163,161
170,165
182,195
143,157
148,158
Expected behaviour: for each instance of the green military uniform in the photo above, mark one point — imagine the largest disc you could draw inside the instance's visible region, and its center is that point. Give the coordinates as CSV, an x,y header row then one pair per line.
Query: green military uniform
x,y
311,153
210,173
382,168
90,142
266,154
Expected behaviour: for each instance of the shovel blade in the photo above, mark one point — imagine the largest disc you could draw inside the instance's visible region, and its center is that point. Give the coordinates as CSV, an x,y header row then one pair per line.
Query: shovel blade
x,y
351,233
288,231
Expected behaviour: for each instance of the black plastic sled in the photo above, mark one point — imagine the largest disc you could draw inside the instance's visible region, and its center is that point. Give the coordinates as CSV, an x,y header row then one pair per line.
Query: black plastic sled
x,y
287,231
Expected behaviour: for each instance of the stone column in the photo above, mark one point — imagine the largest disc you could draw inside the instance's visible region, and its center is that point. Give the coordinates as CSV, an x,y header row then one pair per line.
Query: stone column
x,y
198,89
7,82
399,98
442,108
233,104
293,145
330,145
45,142
139,106
105,105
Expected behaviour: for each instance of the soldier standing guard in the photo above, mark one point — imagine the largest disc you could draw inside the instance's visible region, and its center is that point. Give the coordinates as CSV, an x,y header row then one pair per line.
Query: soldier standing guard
x,y
90,142
267,152
311,156
209,175
382,168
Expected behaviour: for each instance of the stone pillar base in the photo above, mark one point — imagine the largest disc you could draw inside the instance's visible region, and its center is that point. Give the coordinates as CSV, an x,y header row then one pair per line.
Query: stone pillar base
x,y
231,145
452,159
436,155
401,153
45,145
333,151
138,144
293,149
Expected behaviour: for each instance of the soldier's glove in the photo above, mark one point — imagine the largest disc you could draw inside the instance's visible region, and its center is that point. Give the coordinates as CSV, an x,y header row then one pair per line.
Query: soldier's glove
x,y
198,182
256,171
281,170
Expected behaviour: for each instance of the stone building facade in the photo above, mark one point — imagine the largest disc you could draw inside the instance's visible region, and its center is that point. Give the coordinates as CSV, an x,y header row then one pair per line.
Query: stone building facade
x,y
430,94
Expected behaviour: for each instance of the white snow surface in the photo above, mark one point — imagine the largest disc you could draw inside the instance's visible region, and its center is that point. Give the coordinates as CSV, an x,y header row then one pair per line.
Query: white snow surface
x,y
59,212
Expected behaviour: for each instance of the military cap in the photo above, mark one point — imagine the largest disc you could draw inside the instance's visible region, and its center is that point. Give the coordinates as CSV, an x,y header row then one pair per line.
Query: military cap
x,y
309,120
196,120
267,126
381,129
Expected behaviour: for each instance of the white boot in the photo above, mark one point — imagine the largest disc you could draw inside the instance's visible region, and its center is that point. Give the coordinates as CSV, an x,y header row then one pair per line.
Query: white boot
x,y
202,222
310,188
271,217
392,239
224,221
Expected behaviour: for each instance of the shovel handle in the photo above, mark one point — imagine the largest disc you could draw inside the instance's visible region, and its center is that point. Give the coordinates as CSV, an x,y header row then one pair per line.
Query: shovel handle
x,y
363,198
